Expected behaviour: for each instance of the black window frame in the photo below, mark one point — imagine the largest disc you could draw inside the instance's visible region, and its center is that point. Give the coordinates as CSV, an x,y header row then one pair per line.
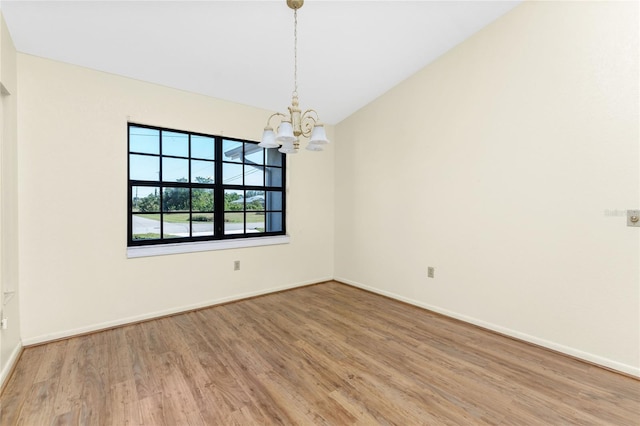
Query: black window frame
x,y
277,166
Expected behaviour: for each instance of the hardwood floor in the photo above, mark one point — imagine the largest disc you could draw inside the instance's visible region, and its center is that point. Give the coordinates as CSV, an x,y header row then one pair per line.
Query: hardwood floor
x,y
324,354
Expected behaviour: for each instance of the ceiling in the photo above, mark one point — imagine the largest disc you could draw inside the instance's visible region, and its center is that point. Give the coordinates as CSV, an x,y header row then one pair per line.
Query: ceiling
x,y
349,52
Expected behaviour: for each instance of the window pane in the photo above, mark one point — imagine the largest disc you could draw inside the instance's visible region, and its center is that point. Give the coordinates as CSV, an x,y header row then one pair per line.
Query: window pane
x,y
233,200
144,167
175,200
175,225
175,170
274,222
202,224
274,200
253,175
203,147
202,171
175,178
232,151
144,140
274,157
273,176
145,199
255,200
175,144
234,223
145,227
202,200
255,222
232,174
253,154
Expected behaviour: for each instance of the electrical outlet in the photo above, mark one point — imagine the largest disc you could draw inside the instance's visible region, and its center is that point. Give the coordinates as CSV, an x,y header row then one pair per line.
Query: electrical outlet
x,y
431,272
4,323
236,265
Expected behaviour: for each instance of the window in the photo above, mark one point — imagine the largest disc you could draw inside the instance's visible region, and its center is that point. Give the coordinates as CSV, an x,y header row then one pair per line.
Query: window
x,y
187,187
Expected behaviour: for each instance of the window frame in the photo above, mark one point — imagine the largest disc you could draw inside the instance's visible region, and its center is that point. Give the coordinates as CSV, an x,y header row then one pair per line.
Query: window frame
x,y
218,187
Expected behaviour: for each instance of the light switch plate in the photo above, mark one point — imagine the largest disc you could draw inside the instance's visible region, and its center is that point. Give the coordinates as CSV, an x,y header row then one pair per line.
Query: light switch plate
x,y
633,214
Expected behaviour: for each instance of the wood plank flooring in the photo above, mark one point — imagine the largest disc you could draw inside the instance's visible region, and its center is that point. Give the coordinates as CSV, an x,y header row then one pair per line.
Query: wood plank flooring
x,y
327,354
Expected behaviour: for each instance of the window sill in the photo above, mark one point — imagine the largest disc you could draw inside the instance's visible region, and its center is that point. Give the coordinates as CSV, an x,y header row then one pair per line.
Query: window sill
x,y
165,249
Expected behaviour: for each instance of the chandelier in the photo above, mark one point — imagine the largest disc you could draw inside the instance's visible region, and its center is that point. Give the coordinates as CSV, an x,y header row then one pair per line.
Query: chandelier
x,y
297,123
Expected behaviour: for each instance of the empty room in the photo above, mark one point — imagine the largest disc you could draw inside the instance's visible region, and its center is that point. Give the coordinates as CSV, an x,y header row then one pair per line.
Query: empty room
x,y
319,212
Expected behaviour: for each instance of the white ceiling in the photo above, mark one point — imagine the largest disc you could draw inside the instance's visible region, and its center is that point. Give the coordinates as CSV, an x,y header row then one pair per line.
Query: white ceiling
x,y
349,52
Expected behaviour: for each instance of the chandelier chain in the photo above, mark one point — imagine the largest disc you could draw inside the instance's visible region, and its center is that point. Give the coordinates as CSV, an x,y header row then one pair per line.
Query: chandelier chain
x,y
295,51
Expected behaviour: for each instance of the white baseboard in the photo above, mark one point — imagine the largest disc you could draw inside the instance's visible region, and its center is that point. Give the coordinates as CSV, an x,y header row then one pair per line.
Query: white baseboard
x,y
595,359
11,362
158,314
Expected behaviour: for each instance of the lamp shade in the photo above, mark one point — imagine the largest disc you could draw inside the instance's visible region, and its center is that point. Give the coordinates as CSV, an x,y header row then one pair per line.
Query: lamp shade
x,y
318,136
314,147
285,133
268,139
288,148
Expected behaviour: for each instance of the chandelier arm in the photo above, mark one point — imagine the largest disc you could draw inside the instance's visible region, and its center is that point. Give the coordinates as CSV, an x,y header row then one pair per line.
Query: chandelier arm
x,y
312,111
308,119
277,114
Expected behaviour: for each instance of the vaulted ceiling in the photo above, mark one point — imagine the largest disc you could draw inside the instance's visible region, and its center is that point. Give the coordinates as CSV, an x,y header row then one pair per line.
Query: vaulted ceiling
x,y
349,52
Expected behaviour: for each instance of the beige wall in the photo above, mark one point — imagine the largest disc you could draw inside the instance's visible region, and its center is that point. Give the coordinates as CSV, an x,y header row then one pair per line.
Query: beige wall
x,y
9,307
73,202
507,165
